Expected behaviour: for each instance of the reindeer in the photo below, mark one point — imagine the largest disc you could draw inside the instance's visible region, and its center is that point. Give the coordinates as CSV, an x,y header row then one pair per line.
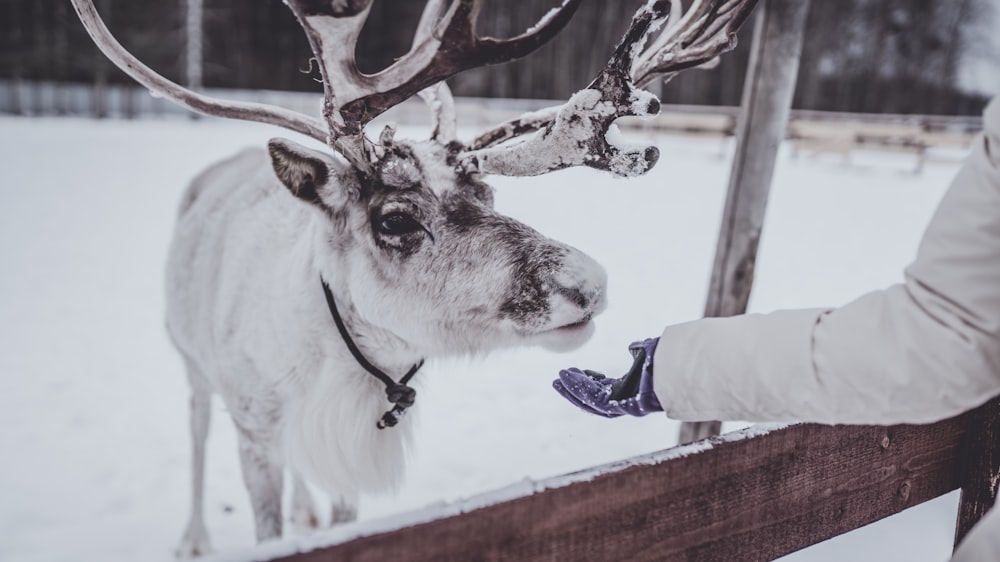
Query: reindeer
x,y
302,284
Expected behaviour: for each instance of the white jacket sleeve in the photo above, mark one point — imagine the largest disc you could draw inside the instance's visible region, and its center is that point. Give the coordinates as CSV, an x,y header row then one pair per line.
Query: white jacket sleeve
x,y
917,352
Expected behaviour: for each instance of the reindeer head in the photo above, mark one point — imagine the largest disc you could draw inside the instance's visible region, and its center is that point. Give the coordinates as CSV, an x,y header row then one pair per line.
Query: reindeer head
x,y
412,224
422,253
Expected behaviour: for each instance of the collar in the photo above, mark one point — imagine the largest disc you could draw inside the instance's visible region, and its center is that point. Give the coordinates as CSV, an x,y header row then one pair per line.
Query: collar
x,y
400,394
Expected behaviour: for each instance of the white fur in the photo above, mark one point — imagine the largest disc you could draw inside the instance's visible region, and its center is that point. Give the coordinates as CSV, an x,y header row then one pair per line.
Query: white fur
x,y
246,310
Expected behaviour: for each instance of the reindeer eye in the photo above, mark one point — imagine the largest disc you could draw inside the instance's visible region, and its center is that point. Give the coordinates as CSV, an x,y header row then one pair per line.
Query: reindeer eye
x,y
397,224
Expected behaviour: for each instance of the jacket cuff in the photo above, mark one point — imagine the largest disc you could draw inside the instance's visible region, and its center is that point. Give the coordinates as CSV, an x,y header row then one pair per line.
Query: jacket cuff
x,y
749,367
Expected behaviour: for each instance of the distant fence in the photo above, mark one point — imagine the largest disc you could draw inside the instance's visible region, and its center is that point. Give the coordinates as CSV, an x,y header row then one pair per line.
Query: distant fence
x,y
42,99
810,131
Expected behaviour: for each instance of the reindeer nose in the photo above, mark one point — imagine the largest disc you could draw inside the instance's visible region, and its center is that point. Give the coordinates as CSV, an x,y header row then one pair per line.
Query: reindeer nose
x,y
582,282
574,296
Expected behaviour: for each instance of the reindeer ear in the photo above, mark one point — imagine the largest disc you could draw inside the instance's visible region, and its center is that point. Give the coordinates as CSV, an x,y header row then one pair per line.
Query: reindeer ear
x,y
305,172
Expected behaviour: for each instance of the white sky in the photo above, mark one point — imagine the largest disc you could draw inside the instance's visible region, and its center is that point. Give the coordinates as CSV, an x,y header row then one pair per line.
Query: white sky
x,y
980,72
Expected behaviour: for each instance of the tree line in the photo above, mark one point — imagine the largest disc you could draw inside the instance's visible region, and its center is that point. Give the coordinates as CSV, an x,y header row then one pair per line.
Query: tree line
x,y
896,56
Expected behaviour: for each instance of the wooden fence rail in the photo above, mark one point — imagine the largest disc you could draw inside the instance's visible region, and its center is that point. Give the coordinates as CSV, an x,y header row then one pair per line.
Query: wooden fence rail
x,y
750,495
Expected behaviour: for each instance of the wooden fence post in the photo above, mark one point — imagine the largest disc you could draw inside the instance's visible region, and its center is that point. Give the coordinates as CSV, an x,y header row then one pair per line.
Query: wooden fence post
x,y
767,101
980,466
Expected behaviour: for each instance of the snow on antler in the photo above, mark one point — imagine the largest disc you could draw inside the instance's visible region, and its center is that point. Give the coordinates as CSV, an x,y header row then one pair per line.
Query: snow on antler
x,y
581,131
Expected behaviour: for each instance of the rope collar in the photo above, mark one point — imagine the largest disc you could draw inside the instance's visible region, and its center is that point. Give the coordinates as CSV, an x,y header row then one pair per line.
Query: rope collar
x,y
400,394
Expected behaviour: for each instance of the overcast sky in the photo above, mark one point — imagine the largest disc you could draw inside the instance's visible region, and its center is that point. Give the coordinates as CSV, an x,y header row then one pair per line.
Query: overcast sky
x,y
980,72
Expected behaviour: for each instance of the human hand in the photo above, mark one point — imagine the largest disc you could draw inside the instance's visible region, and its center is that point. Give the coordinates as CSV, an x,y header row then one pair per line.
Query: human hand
x,y
631,394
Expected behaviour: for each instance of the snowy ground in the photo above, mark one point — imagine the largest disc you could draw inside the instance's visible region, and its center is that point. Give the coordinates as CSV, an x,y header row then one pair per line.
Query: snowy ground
x,y
93,401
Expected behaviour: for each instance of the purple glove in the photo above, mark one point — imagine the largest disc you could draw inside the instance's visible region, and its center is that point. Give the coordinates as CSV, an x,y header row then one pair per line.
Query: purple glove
x,y
631,394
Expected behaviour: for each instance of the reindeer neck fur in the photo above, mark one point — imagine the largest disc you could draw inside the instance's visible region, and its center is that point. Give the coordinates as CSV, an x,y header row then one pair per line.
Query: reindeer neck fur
x,y
330,430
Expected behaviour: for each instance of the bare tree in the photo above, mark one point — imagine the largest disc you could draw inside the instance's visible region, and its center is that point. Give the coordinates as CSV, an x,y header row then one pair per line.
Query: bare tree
x,y
99,107
14,43
193,51
60,62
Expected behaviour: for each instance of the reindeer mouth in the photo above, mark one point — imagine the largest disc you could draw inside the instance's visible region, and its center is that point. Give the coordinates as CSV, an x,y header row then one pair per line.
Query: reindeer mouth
x,y
568,336
572,328
579,325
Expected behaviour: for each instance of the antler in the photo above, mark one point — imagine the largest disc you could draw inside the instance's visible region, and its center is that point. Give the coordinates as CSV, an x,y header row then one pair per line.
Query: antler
x,y
194,101
707,30
582,131
446,43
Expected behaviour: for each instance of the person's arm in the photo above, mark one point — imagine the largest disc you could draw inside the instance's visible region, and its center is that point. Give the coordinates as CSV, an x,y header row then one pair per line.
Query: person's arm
x,y
917,352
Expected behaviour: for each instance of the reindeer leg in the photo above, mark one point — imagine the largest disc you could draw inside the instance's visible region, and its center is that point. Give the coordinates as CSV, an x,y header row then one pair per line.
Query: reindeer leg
x,y
304,516
262,476
195,541
345,509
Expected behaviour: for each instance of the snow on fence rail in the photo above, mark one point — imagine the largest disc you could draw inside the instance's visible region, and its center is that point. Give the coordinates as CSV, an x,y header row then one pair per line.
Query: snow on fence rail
x,y
756,494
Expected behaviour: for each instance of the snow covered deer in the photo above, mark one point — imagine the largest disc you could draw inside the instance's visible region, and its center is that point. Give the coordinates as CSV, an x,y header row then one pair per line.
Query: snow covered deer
x,y
306,286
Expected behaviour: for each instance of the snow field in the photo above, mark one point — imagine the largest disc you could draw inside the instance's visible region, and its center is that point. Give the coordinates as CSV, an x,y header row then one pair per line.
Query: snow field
x,y
93,401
